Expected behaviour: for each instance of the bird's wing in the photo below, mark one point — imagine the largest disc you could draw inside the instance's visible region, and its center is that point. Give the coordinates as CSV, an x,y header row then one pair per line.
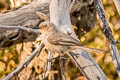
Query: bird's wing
x,y
66,40
63,39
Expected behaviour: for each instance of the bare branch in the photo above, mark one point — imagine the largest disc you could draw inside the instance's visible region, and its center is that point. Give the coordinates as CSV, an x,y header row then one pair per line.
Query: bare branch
x,y
109,35
26,16
60,16
25,64
62,67
36,31
49,61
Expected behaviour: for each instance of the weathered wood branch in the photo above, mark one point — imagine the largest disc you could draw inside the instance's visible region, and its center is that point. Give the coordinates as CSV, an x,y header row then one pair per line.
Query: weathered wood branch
x,y
25,64
82,14
30,30
60,16
109,35
25,16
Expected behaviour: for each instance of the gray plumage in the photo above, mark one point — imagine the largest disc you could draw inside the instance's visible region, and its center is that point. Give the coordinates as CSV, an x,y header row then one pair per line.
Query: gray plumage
x,y
57,41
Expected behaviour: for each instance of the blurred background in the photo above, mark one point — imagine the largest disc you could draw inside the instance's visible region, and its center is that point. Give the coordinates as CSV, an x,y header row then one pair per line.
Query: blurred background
x,y
9,58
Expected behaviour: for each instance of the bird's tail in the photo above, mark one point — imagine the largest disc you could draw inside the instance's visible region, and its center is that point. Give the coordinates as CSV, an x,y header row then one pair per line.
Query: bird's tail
x,y
92,49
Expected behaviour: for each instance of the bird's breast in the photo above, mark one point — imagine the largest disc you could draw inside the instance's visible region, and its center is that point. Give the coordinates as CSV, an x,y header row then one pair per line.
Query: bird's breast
x,y
54,47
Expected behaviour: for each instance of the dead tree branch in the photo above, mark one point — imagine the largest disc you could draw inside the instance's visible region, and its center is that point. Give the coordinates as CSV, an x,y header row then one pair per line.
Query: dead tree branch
x,y
25,64
109,35
26,16
30,30
60,16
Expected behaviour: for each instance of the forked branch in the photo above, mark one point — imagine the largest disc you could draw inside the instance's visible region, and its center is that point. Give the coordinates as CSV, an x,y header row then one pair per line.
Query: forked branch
x,y
60,16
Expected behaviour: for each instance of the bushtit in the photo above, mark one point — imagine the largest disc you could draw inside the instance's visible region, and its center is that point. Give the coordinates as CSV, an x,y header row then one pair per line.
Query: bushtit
x,y
55,40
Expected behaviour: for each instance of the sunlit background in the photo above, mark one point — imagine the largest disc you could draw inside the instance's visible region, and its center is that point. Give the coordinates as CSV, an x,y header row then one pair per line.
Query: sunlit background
x,y
9,58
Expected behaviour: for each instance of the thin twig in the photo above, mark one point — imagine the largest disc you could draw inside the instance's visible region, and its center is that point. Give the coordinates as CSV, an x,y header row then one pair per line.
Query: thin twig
x,y
48,66
49,61
109,35
25,64
20,27
62,67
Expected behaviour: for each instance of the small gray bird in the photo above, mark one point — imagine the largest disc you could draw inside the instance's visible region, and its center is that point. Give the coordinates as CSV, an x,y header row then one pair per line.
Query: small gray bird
x,y
55,40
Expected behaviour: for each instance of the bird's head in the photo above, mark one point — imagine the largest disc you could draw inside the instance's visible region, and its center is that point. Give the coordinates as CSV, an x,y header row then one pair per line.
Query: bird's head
x,y
46,27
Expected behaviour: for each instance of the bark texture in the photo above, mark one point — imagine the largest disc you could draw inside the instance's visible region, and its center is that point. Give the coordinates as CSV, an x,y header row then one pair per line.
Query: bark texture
x,y
82,14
